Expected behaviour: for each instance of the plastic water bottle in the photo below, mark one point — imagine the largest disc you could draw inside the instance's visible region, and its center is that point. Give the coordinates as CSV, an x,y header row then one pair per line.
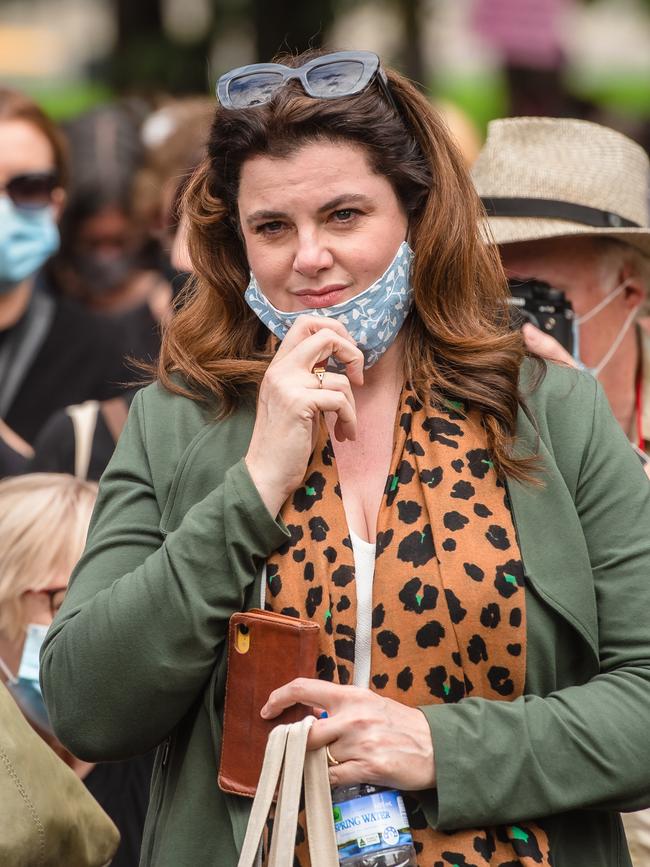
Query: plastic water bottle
x,y
372,827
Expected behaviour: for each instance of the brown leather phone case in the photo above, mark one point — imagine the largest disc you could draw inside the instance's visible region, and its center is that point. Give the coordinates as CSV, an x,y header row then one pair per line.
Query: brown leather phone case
x,y
265,651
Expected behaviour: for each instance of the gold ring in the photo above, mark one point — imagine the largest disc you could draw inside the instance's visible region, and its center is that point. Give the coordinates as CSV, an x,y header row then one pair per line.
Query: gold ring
x,y
331,761
320,373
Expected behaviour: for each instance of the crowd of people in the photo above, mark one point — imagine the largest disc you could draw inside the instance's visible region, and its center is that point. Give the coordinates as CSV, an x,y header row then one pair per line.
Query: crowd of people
x,y
344,420
89,269
90,263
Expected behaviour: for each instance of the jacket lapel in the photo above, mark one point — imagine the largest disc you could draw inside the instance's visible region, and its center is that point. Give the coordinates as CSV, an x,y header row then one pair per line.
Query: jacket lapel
x,y
553,547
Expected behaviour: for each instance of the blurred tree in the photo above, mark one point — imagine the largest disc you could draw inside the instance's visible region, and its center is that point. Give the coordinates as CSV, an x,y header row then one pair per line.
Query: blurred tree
x,y
146,58
292,25
411,57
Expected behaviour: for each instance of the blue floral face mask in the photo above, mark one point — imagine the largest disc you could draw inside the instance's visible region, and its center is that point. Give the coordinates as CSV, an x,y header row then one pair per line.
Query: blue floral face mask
x,y
373,317
27,239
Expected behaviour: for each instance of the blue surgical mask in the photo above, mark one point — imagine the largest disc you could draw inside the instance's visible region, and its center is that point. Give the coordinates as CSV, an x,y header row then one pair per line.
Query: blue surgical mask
x,y
27,240
26,688
373,317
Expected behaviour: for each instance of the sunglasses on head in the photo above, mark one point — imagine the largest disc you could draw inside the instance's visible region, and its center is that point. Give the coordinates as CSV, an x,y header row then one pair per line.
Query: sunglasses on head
x,y
31,190
329,76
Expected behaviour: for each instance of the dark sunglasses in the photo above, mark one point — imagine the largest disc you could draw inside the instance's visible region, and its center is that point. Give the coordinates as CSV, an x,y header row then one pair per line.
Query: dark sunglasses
x,y
329,76
31,190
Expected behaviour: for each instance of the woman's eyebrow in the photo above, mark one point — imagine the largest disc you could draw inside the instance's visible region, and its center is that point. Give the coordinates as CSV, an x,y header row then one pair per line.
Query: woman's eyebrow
x,y
265,215
345,198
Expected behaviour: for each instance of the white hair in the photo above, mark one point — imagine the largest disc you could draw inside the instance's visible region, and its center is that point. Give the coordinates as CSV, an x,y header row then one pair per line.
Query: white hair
x,y
614,255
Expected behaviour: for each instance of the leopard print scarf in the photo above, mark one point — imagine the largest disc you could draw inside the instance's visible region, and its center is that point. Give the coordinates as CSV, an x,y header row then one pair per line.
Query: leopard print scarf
x,y
449,615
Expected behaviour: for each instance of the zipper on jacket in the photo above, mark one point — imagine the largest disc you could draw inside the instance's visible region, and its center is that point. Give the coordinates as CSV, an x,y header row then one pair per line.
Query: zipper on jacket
x,y
165,752
161,781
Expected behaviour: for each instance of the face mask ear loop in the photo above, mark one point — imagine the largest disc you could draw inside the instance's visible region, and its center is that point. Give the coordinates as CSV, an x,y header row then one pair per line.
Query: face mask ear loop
x,y
11,678
580,320
596,371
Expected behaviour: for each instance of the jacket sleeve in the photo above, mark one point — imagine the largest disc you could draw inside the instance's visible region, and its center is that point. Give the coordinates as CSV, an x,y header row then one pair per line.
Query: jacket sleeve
x,y
146,615
585,746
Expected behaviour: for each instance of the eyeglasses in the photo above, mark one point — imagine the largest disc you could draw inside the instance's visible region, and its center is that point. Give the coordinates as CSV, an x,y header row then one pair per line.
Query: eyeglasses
x,y
31,190
329,76
55,597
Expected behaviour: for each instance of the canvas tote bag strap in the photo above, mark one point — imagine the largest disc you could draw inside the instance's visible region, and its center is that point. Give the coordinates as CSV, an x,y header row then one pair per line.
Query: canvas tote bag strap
x,y
273,760
318,810
286,751
285,821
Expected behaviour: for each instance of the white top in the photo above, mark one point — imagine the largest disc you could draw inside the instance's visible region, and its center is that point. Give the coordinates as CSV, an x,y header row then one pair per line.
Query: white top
x,y
364,570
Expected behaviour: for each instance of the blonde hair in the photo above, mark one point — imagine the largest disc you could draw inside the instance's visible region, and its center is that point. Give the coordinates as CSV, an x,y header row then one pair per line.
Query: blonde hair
x,y
44,520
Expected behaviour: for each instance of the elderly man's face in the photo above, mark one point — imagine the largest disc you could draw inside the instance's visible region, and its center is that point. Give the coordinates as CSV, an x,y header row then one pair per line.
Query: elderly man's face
x,y
575,266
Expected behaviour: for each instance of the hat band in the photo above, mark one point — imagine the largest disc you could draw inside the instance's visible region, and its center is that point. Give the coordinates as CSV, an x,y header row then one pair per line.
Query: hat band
x,y
555,209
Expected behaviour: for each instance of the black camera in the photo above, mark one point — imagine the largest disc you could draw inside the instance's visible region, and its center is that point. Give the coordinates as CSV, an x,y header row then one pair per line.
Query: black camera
x,y
545,307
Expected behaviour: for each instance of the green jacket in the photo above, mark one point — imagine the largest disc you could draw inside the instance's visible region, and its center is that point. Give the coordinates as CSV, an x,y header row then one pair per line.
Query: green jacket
x,y
135,658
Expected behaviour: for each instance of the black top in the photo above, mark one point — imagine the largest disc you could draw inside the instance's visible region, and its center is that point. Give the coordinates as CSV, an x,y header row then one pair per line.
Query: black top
x,y
55,446
122,790
141,335
81,358
11,463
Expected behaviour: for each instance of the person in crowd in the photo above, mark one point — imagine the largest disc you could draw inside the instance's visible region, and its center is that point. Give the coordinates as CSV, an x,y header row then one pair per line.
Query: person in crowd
x,y
43,525
462,128
15,453
81,439
529,37
44,520
567,204
345,429
175,136
108,262
52,353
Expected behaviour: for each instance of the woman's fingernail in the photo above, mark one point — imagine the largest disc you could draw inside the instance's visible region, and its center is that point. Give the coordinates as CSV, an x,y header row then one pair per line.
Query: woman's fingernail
x,y
264,711
324,715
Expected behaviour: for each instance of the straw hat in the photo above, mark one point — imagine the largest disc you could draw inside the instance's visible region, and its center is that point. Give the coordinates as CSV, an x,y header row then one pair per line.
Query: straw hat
x,y
545,177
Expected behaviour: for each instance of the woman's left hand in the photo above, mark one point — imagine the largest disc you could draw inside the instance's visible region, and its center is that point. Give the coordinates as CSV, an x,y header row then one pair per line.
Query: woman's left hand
x,y
376,740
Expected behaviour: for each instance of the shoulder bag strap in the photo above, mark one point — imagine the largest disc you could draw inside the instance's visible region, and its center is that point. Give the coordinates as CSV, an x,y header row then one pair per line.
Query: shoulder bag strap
x,y
84,421
21,347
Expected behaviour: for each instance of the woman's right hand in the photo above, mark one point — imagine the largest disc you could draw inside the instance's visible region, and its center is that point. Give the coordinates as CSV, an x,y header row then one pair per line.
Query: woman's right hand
x,y
290,404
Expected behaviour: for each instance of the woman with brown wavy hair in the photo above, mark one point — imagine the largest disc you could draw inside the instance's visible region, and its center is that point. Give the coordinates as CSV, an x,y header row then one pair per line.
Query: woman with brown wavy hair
x,y
345,430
